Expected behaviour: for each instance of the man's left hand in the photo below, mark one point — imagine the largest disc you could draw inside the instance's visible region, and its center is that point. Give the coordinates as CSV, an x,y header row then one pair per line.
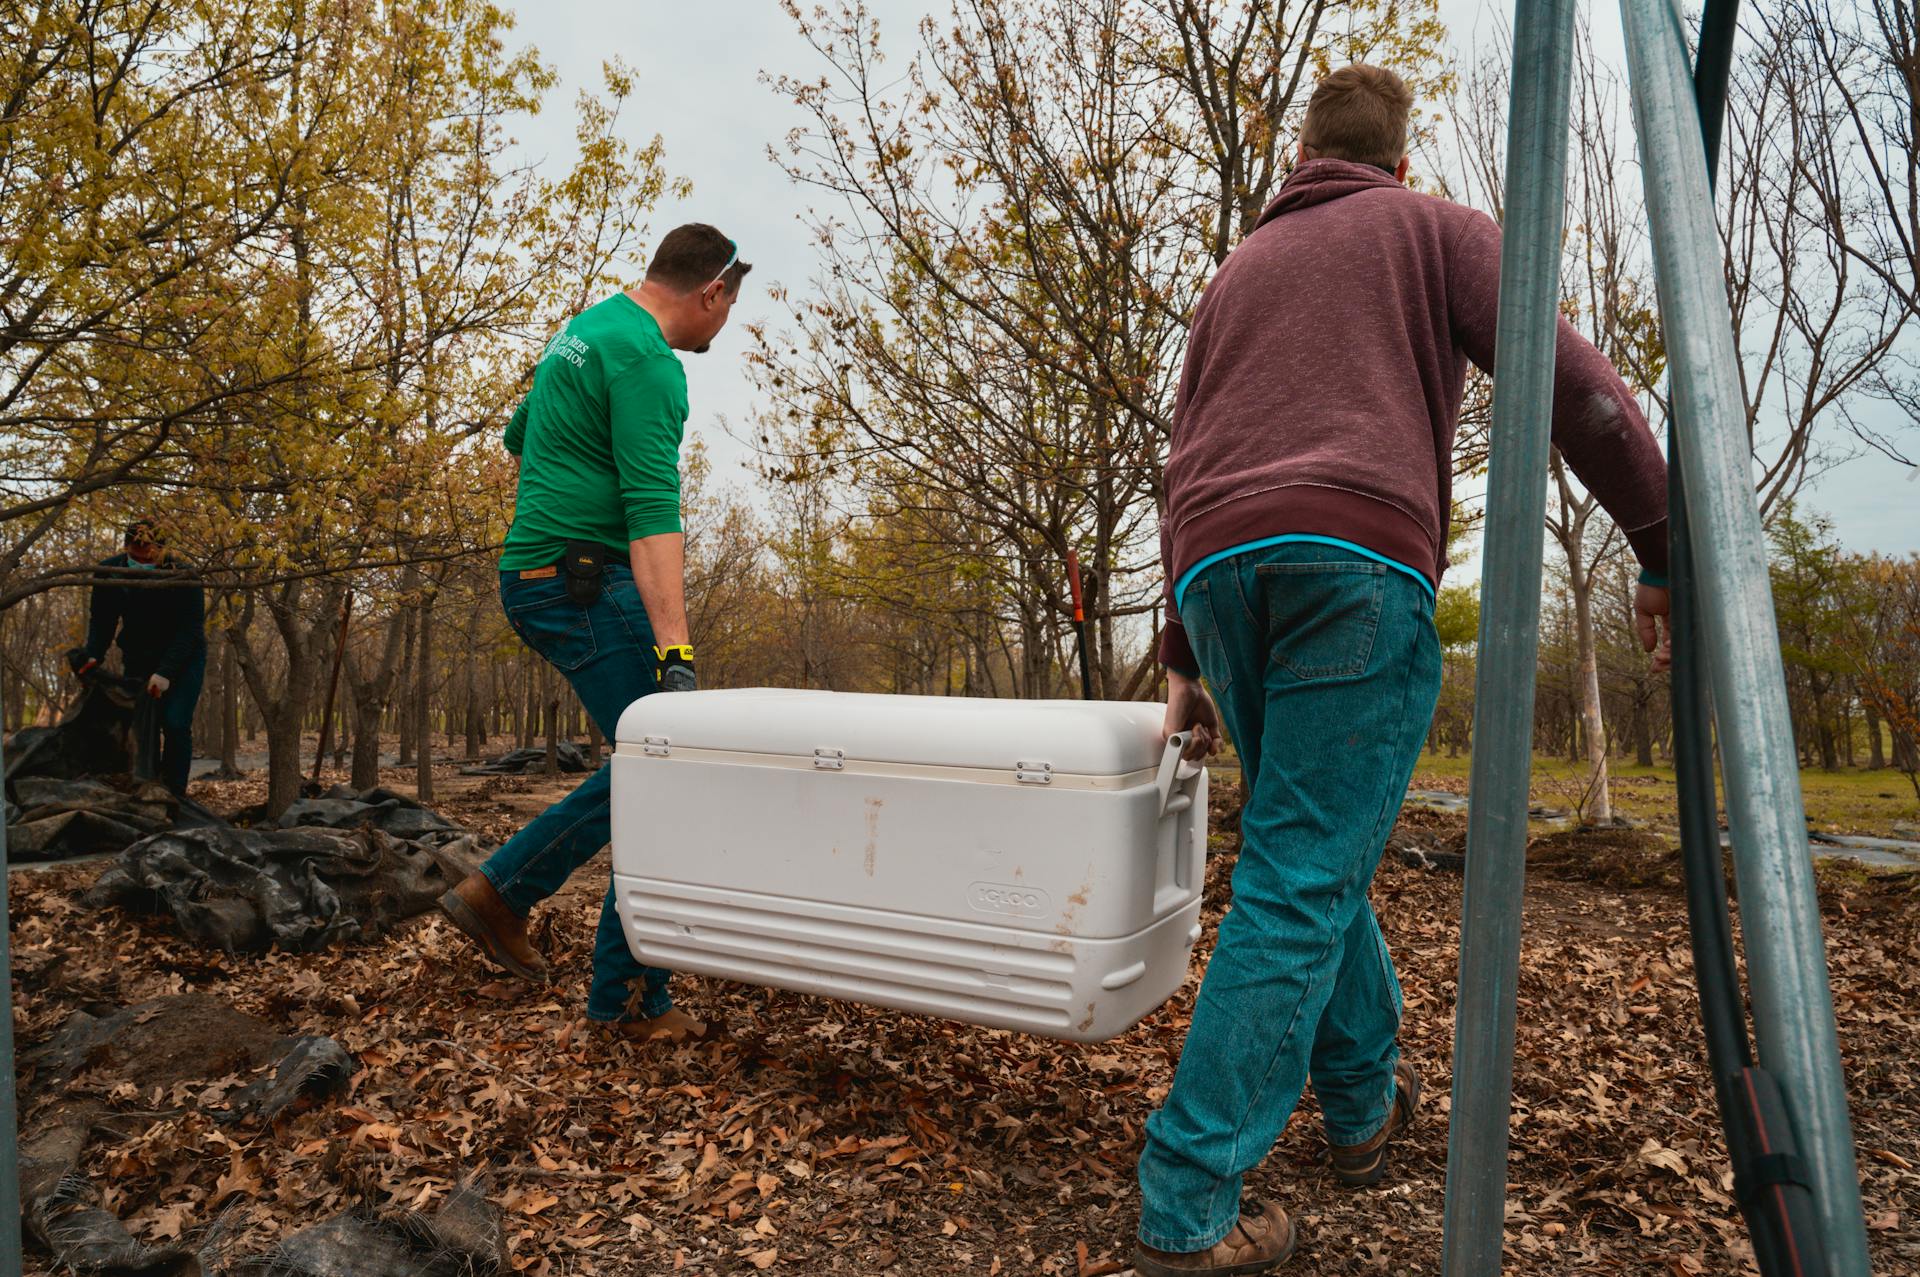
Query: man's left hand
x,y
157,686
673,667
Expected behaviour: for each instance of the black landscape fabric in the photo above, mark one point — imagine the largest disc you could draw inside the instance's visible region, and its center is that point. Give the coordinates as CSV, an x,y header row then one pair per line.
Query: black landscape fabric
x,y
301,889
569,758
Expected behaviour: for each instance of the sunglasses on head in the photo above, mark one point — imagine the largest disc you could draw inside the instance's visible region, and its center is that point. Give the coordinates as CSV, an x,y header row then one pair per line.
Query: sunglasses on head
x,y
724,269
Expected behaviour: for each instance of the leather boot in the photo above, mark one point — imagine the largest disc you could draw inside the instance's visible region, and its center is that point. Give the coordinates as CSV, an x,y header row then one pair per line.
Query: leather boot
x,y
1358,1165
1260,1242
476,908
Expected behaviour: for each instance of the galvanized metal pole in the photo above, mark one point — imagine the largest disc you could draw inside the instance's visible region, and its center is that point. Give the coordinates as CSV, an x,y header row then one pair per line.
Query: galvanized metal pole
x,y
1779,913
1509,637
10,1260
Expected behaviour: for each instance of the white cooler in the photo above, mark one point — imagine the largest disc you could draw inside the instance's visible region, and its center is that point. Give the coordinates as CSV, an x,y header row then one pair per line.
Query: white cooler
x,y
1031,865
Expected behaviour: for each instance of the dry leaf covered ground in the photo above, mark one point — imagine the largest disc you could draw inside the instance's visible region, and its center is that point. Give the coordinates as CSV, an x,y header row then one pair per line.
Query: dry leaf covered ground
x,y
843,1139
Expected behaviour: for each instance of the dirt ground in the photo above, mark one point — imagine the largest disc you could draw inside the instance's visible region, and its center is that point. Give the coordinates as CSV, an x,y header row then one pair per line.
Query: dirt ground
x,y
844,1139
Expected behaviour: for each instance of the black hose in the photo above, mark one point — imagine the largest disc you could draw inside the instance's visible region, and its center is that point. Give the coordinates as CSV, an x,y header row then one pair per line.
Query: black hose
x,y
1711,70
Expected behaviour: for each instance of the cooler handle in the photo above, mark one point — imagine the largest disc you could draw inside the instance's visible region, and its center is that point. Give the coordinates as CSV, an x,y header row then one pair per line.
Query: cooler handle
x,y
1178,778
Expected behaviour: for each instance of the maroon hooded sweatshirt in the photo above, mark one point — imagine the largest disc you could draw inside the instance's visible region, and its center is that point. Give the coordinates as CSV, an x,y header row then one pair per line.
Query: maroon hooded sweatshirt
x,y
1324,375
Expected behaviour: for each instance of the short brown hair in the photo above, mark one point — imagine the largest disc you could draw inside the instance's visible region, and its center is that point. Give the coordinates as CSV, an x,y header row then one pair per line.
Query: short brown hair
x,y
693,256
1359,113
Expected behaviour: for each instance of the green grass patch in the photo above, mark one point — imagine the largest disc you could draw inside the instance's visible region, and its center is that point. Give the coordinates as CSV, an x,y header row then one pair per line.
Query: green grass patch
x,y
1848,801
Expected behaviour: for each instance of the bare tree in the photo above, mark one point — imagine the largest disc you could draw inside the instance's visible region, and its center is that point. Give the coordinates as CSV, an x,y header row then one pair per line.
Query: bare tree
x,y
1856,85
1817,228
1018,229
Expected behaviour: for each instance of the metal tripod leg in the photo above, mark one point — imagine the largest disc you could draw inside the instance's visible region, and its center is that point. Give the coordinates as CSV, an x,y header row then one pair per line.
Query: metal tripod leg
x,y
1509,638
1786,954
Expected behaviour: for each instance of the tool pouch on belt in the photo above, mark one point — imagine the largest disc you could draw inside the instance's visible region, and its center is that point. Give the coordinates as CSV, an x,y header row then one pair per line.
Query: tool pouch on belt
x,y
584,566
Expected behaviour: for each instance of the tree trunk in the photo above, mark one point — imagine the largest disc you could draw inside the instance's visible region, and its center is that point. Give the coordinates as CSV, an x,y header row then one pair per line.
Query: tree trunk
x,y
476,718
229,712
284,708
593,744
365,773
332,693
530,717
1600,806
1643,735
490,721
1104,674
553,721
284,774
512,710
1033,657
1876,757
423,724
406,690
371,693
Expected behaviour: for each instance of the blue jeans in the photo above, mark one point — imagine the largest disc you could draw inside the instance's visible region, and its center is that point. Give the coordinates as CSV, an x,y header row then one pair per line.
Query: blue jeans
x,y
175,763
606,652
1326,667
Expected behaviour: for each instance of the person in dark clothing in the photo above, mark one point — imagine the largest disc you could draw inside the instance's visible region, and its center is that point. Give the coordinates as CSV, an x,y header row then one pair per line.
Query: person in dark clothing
x,y
161,631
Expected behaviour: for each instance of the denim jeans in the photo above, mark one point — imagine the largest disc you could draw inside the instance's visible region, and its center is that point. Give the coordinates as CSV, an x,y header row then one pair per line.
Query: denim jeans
x,y
176,724
174,765
606,652
1326,667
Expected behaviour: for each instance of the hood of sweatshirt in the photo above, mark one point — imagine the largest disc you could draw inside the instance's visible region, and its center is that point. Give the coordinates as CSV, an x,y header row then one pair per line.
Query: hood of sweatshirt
x,y
1318,181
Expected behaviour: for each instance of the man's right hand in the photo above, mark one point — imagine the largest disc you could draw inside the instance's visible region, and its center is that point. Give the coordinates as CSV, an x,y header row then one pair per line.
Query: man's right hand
x,y
1652,618
1189,708
673,667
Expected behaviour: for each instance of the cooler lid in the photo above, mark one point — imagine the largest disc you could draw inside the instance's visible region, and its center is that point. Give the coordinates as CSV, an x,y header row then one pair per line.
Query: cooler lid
x,y
1089,738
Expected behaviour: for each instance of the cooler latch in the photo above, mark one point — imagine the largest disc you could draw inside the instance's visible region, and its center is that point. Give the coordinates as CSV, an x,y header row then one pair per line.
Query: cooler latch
x,y
657,746
829,760
1033,773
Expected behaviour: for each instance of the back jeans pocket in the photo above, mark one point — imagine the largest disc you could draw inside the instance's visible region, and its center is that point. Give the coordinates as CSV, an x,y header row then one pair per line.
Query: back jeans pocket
x,y
556,627
1321,617
1203,632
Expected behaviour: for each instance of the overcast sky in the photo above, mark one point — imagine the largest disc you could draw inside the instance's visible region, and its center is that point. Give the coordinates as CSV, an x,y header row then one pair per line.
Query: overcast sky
x,y
698,85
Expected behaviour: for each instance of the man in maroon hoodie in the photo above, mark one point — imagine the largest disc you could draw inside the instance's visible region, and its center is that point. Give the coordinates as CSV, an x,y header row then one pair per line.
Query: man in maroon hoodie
x,y
1308,495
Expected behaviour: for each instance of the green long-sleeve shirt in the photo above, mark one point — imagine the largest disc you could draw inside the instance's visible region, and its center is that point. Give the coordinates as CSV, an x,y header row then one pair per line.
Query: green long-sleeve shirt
x,y
598,437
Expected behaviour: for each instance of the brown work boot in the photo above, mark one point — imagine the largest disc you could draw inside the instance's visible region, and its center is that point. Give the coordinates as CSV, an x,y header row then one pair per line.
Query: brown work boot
x,y
1358,1165
1260,1242
476,908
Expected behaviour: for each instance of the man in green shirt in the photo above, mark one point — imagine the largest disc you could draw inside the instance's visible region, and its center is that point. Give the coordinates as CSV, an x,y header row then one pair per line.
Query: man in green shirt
x,y
592,577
